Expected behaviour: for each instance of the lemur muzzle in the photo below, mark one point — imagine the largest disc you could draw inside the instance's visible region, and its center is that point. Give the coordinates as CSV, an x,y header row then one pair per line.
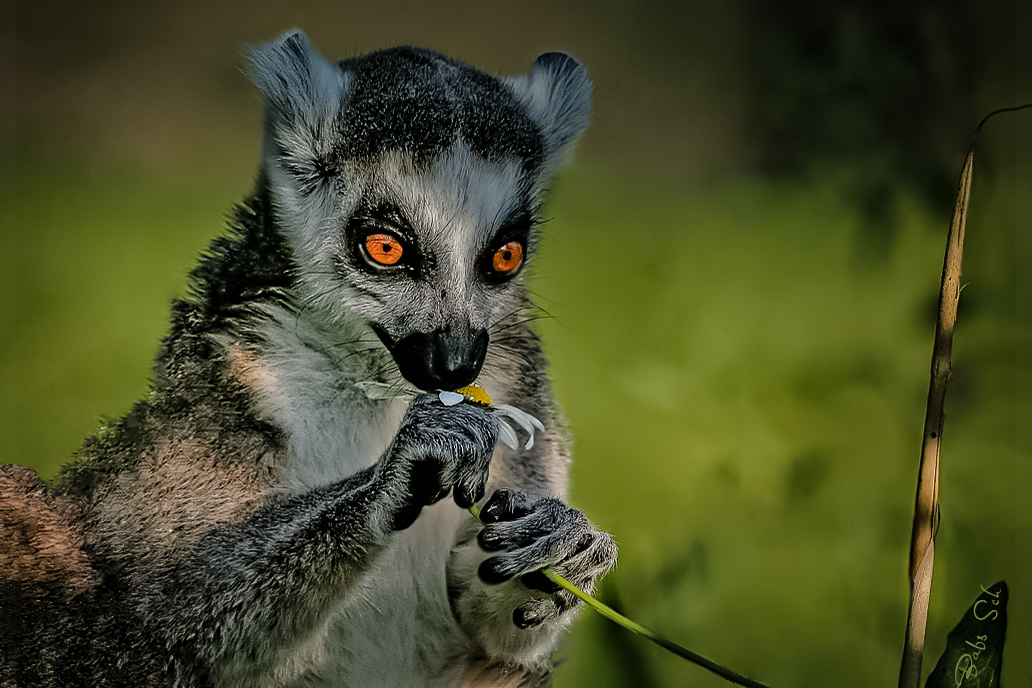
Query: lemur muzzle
x,y
441,359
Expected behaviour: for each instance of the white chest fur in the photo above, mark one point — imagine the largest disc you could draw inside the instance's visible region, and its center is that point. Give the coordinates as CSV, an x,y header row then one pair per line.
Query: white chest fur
x,y
308,385
395,626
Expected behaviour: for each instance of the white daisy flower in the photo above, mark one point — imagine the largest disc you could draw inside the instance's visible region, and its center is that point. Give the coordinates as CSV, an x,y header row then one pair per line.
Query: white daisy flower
x,y
507,434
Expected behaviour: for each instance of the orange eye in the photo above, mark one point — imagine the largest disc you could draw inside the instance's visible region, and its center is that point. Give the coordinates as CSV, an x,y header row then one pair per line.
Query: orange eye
x,y
383,249
508,257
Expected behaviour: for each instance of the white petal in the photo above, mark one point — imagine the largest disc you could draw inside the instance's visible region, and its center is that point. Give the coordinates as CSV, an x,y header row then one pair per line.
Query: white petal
x,y
450,398
524,419
507,435
521,418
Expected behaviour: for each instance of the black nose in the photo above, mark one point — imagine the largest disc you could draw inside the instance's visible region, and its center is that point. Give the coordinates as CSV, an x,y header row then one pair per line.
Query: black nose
x,y
440,359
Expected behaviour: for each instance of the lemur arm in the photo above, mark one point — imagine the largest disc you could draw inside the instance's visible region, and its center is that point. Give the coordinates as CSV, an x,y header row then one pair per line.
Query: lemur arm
x,y
268,581
262,583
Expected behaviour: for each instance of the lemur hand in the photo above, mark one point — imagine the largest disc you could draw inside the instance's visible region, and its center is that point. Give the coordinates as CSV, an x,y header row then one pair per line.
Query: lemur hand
x,y
437,449
539,532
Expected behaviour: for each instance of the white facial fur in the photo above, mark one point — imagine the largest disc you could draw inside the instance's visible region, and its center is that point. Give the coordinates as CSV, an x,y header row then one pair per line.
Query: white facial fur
x,y
455,209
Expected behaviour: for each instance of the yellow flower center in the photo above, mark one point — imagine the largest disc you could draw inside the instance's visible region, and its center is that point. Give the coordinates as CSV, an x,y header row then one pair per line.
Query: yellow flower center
x,y
475,394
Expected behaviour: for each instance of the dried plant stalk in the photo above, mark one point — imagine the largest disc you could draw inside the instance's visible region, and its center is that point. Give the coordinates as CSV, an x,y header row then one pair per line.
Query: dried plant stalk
x,y
926,507
922,549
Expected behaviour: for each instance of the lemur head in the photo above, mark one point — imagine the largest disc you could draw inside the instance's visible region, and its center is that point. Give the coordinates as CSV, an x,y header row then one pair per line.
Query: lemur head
x,y
408,185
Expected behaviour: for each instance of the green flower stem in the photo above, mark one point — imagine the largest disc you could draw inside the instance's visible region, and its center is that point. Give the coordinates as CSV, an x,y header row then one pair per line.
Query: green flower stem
x,y
621,620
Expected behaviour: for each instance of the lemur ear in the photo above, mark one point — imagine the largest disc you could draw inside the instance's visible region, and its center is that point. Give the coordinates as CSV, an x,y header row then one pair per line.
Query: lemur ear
x,y
557,95
302,91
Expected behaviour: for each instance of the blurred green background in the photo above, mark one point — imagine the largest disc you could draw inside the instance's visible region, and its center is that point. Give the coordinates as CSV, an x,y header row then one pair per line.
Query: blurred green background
x,y
742,266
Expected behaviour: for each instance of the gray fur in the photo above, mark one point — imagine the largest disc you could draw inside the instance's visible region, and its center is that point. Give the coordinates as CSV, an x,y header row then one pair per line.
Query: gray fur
x,y
303,95
262,518
557,95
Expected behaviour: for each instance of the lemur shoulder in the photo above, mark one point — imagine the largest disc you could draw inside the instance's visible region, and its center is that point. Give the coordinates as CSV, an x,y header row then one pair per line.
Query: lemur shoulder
x,y
287,505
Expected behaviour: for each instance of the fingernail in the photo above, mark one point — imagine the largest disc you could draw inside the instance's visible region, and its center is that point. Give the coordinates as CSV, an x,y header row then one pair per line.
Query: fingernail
x,y
494,506
406,516
585,541
489,514
464,497
527,618
537,580
489,543
489,571
440,495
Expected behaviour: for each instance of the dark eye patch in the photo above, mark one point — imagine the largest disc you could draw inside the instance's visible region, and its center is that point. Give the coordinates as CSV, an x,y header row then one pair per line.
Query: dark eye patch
x,y
384,218
516,228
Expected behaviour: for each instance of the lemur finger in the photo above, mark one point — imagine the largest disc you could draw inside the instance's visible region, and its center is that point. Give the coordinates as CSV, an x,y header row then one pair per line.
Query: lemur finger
x,y
549,517
592,561
506,505
428,481
537,611
537,580
514,534
595,555
533,613
524,560
428,420
405,515
546,515
481,430
472,481
492,571
405,487
472,477
470,493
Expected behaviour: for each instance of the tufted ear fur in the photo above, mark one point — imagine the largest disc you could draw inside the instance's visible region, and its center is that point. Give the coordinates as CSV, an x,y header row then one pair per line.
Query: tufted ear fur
x,y
303,94
557,95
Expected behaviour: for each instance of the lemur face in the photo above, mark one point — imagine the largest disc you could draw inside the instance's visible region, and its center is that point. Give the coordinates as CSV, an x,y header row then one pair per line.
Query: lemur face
x,y
434,258
408,184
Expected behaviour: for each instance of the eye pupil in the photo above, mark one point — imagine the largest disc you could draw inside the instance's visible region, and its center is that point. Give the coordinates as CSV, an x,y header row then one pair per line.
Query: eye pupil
x,y
506,256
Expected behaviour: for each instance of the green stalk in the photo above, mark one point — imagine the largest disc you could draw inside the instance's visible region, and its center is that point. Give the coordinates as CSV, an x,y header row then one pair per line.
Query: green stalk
x,y
621,620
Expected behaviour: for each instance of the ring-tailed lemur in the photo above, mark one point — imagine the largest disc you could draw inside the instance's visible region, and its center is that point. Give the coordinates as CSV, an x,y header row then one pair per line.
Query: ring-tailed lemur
x,y
267,516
